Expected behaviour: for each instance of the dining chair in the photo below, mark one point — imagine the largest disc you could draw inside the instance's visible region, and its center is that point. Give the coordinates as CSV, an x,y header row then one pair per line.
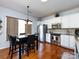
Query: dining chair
x,y
13,46
30,43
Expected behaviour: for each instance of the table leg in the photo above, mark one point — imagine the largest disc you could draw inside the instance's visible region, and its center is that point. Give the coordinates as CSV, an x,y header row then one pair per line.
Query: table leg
x,y
19,51
37,45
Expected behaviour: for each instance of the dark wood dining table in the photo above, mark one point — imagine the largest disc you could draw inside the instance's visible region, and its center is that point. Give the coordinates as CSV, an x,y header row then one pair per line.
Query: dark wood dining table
x,y
19,38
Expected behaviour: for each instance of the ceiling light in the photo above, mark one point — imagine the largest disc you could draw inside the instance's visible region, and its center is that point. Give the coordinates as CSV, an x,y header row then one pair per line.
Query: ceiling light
x,y
43,0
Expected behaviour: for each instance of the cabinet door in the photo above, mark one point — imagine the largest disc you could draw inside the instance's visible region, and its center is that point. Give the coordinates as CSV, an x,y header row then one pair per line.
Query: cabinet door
x,y
70,21
65,41
68,41
48,37
72,42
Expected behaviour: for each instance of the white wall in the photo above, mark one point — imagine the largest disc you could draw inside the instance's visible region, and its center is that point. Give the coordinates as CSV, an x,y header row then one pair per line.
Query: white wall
x,y
34,24
8,12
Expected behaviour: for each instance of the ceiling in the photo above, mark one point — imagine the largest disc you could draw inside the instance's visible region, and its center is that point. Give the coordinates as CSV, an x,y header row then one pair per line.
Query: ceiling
x,y
38,8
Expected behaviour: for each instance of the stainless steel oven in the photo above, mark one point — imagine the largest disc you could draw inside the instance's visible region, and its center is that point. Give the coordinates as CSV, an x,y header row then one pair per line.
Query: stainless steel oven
x,y
77,32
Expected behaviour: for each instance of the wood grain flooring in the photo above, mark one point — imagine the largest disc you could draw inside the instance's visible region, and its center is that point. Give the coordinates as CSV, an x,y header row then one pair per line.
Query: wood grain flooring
x,y
45,51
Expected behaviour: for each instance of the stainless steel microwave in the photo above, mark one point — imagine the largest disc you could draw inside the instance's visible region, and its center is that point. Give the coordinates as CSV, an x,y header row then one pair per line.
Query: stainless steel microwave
x,y
54,26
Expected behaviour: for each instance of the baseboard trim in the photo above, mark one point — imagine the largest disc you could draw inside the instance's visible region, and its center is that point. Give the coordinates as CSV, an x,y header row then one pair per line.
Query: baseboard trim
x,y
4,49
61,46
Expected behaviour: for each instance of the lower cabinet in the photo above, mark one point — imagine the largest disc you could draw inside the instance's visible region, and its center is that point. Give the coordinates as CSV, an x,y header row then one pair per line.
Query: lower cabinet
x,y
68,41
72,42
64,40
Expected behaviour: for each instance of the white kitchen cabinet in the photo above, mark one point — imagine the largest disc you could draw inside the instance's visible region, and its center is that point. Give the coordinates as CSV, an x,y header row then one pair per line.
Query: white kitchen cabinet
x,y
65,40
72,42
49,25
70,21
48,37
68,41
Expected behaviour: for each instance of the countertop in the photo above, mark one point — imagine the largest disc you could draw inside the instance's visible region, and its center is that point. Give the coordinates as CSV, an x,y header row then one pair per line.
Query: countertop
x,y
62,34
63,31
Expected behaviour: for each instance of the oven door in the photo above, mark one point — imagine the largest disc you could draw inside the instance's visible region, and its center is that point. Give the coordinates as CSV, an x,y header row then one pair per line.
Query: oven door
x,y
77,32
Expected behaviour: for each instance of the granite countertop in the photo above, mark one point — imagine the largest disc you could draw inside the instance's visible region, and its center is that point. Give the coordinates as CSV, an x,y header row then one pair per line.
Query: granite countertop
x,y
62,28
62,34
63,31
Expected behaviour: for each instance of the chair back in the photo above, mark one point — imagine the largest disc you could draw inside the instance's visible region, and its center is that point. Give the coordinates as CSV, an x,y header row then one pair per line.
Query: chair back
x,y
12,40
31,39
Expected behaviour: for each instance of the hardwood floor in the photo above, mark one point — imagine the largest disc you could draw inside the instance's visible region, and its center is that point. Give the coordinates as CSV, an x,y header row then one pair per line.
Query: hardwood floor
x,y
45,51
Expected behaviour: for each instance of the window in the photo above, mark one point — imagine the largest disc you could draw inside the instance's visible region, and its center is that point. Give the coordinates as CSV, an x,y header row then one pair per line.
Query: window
x,y
21,25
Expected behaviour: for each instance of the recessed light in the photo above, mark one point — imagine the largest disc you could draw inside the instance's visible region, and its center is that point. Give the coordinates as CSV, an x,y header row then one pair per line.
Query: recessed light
x,y
43,0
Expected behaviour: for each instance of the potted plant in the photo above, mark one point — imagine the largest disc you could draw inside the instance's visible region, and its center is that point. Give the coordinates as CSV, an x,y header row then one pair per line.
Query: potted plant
x,y
0,24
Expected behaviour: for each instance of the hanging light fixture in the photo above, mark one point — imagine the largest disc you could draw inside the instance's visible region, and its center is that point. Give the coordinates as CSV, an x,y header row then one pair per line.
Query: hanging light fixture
x,y
28,21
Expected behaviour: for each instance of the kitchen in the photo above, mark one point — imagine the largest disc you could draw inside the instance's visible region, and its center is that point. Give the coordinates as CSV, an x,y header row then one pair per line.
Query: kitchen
x,y
54,26
62,30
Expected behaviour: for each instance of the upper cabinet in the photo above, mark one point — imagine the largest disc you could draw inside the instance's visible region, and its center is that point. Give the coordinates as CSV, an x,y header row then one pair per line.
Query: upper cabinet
x,y
70,21
55,21
52,21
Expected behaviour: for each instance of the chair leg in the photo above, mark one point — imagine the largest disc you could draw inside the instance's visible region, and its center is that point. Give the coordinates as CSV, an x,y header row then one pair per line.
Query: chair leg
x,y
11,53
27,50
9,50
37,45
33,47
23,48
15,47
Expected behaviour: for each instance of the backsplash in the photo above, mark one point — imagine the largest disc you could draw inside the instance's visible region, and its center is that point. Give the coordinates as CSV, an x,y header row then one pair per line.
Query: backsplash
x,y
63,31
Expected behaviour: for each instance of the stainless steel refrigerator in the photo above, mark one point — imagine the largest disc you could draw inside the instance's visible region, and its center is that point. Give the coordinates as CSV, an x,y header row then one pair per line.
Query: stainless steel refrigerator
x,y
42,30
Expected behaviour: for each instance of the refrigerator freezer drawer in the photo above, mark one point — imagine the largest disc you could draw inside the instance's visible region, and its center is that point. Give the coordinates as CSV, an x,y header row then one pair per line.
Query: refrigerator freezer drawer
x,y
48,37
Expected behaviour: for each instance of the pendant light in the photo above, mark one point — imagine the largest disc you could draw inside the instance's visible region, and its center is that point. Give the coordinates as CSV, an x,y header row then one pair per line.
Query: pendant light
x,y
28,21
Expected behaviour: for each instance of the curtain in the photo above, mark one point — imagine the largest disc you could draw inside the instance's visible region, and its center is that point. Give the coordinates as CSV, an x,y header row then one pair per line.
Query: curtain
x,y
28,28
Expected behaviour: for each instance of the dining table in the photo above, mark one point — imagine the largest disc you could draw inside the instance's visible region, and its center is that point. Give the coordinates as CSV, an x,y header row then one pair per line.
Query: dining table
x,y
19,39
